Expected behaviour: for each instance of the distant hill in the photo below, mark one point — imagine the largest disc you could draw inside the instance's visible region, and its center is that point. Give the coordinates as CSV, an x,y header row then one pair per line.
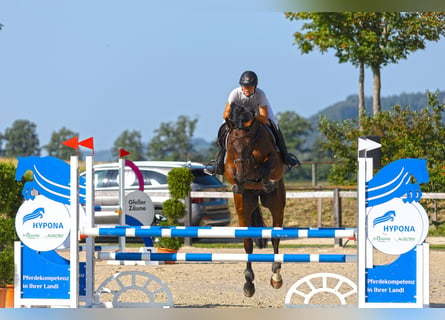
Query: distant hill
x,y
348,109
103,156
201,144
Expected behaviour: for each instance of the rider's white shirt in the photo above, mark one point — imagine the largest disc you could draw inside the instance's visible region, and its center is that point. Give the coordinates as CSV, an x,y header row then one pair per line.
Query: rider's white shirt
x,y
257,99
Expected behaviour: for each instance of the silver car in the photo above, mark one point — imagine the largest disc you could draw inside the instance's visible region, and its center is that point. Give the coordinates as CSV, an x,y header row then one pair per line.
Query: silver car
x,y
205,211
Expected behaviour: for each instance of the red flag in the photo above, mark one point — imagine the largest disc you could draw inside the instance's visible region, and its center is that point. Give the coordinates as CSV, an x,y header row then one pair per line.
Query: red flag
x,y
123,153
87,143
72,143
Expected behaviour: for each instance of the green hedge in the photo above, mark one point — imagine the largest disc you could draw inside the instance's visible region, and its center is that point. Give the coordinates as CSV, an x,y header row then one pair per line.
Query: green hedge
x,y
10,200
7,238
179,185
11,190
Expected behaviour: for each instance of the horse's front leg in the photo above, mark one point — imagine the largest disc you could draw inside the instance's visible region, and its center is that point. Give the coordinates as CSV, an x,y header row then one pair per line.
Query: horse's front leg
x,y
269,185
249,286
276,281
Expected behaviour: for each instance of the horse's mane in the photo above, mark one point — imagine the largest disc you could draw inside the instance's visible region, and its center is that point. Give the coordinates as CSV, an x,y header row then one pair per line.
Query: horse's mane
x,y
240,115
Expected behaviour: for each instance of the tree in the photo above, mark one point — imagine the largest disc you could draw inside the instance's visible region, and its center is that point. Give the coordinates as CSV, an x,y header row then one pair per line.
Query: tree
x,y
173,140
2,152
294,129
22,139
403,133
131,141
373,39
55,148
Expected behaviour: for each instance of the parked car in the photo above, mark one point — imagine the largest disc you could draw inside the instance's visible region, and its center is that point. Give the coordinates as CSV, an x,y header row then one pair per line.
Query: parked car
x,y
205,211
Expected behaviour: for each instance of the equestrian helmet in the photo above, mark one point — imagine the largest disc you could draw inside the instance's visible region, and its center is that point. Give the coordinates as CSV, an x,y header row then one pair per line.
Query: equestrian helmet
x,y
248,78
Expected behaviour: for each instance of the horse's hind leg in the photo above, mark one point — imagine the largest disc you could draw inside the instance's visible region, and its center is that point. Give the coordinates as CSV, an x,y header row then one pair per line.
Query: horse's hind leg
x,y
249,286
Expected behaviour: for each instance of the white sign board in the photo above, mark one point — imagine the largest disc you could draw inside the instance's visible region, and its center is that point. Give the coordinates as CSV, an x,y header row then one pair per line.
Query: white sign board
x,y
43,224
139,206
395,227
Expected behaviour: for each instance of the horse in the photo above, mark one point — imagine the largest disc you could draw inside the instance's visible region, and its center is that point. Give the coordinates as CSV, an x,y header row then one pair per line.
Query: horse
x,y
254,167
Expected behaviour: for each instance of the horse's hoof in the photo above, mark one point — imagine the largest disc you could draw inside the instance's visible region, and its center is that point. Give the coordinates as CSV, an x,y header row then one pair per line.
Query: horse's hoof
x,y
276,284
249,289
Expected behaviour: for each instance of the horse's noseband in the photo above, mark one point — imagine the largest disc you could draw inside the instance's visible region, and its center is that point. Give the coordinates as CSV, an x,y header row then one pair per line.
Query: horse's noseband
x,y
251,159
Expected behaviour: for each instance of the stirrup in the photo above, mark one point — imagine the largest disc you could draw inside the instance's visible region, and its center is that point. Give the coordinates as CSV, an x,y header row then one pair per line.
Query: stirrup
x,y
210,168
213,168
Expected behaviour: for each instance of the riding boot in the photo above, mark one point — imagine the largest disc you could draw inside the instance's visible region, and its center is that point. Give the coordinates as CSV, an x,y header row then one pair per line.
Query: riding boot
x,y
288,158
218,167
219,161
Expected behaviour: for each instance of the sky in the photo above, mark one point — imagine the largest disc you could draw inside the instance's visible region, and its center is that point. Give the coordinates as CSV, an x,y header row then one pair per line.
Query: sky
x,y
101,67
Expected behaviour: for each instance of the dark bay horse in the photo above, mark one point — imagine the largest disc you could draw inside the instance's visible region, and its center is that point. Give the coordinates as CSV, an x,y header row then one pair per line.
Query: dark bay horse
x,y
254,167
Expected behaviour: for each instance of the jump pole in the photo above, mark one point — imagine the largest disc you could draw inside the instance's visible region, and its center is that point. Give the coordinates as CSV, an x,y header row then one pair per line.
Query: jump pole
x,y
219,232
228,257
90,241
74,243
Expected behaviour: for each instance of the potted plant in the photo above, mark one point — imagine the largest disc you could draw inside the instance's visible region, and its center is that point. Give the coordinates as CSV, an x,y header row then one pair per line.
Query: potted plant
x,y
179,185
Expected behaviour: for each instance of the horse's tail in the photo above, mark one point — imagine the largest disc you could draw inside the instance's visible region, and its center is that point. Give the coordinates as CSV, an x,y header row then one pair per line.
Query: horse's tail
x,y
257,221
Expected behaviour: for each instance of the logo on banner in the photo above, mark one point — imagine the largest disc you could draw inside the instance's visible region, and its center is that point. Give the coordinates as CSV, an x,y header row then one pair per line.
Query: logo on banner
x,y
42,224
396,222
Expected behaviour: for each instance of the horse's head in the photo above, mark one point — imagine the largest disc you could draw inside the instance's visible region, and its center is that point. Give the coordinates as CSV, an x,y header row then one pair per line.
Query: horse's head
x,y
241,116
241,140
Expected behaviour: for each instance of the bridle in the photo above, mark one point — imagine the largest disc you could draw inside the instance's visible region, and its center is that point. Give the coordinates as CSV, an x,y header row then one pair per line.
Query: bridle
x,y
251,131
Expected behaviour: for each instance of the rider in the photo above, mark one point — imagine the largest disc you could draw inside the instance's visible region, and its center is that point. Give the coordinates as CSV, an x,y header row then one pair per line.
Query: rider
x,y
249,93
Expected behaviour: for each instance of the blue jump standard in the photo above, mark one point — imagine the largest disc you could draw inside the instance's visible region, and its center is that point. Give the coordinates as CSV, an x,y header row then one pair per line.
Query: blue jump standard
x,y
219,232
225,257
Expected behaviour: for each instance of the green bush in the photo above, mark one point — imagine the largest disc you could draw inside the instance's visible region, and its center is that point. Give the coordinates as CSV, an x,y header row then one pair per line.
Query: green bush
x,y
175,209
10,200
179,185
7,232
179,182
7,238
7,266
169,243
11,190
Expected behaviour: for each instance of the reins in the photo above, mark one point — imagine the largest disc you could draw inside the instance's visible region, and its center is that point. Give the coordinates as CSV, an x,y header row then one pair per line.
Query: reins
x,y
253,135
